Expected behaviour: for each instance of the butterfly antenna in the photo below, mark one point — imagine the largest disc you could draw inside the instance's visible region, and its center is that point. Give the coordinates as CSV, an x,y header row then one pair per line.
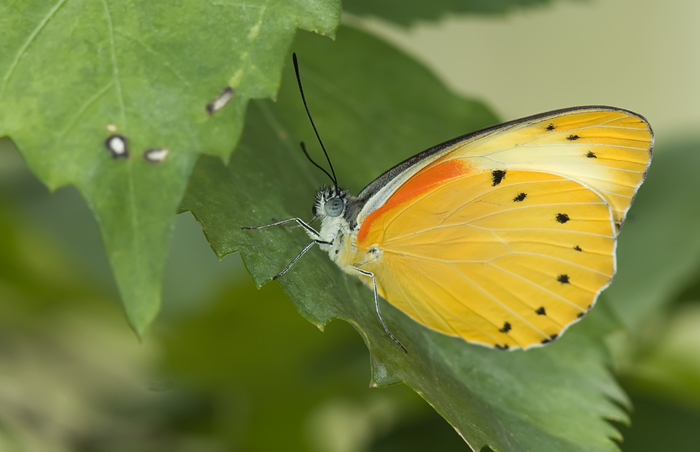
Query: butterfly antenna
x,y
303,148
303,98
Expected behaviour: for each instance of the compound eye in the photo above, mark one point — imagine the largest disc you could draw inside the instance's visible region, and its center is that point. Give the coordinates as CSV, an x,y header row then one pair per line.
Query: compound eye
x,y
333,207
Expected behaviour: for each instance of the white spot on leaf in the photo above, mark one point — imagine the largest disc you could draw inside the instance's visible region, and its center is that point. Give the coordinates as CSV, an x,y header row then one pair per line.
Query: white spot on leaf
x,y
220,101
116,144
156,155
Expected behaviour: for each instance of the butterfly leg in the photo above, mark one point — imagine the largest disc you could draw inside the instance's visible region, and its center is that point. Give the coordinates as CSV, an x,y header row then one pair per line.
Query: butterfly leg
x,y
306,248
297,225
313,232
376,305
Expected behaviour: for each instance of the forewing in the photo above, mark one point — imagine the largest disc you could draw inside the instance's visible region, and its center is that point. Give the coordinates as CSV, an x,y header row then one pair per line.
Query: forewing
x,y
606,149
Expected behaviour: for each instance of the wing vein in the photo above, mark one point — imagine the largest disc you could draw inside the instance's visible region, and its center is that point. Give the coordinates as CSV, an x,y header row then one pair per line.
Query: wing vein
x,y
563,260
541,229
469,280
536,285
468,223
512,209
459,301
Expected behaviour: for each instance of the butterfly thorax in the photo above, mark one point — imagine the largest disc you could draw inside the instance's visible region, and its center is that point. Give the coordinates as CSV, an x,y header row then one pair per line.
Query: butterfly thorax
x,y
338,210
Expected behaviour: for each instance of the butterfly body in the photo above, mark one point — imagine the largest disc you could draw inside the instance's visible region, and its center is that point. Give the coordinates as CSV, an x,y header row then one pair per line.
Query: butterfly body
x,y
503,237
337,231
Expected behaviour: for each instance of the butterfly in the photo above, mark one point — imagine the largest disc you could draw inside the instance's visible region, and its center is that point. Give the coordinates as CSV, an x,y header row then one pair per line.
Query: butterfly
x,y
503,237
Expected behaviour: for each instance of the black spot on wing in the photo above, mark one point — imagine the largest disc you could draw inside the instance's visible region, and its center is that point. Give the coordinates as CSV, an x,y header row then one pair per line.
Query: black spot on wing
x,y
564,279
551,127
501,347
562,218
497,176
541,311
550,339
520,197
506,328
591,155
578,248
580,314
573,137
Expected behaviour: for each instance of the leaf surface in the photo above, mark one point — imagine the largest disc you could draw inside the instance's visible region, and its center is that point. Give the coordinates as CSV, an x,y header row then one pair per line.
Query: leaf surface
x,y
72,73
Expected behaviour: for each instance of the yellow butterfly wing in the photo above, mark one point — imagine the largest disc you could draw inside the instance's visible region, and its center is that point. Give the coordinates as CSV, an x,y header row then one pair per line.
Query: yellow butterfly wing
x,y
507,236
608,150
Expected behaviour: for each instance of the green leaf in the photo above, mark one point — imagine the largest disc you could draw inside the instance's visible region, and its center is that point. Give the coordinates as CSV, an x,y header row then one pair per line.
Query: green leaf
x,y
73,72
375,107
668,365
661,424
409,13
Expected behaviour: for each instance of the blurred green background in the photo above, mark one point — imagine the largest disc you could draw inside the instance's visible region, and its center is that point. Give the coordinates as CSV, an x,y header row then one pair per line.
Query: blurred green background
x,y
73,377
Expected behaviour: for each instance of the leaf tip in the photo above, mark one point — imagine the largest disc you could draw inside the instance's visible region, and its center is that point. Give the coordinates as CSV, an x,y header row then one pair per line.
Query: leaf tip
x,y
141,313
380,374
141,327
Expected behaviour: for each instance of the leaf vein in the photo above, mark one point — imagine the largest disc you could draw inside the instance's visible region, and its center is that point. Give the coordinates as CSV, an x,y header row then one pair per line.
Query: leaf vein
x,y
26,45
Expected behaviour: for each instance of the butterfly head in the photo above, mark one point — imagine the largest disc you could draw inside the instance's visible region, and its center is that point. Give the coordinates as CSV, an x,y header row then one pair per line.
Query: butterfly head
x,y
329,202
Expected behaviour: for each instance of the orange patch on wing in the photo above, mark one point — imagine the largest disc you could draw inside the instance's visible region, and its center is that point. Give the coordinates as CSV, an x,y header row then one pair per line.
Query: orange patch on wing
x,y
427,179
